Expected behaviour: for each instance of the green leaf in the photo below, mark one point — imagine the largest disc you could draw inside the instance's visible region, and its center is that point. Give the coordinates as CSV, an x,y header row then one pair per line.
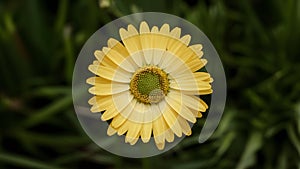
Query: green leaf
x,y
255,142
48,111
51,139
294,138
21,161
49,91
226,143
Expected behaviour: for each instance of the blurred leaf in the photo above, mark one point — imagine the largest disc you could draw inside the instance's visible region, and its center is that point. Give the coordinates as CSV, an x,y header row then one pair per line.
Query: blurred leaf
x,y
51,140
282,160
226,143
48,111
49,91
61,15
294,137
248,157
16,160
192,165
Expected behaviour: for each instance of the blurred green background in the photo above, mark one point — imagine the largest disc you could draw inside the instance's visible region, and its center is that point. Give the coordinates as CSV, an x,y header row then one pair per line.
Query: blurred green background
x,y
258,43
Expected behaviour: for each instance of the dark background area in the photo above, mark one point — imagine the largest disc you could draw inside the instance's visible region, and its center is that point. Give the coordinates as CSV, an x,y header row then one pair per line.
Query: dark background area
x,y
258,43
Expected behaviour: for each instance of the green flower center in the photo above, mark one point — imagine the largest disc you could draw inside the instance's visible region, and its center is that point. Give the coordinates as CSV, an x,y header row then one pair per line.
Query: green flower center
x,y
149,84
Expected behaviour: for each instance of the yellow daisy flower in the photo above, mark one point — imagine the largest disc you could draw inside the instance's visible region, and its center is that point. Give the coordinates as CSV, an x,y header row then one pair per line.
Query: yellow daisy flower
x,y
148,84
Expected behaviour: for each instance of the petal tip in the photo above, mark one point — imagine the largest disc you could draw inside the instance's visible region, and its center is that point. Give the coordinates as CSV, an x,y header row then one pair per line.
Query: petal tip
x,y
132,30
99,55
144,27
176,32
165,29
123,33
105,50
111,42
154,29
186,39
160,146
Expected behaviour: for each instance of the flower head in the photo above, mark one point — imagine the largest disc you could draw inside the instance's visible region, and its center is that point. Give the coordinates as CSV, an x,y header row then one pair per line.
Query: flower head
x,y
149,84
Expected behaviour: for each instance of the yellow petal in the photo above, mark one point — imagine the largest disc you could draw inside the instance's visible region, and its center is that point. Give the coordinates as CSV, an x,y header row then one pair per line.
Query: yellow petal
x,y
159,38
146,41
170,117
165,29
151,112
99,99
176,47
154,29
176,33
146,132
111,131
133,141
186,129
96,62
180,49
159,127
167,58
193,102
204,104
109,113
147,49
131,30
133,131
157,54
124,128
108,63
209,80
186,39
117,58
96,109
160,145
138,58
128,110
138,112
131,39
121,100
124,34
189,85
111,42
118,121
103,60
199,115
108,89
197,48
169,135
117,75
196,113
99,55
92,100
144,28
198,92
172,64
196,64
117,46
185,54
200,76
97,80
176,102
100,103
158,43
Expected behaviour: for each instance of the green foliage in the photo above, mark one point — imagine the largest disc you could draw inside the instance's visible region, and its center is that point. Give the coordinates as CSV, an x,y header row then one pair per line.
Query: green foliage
x,y
258,42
